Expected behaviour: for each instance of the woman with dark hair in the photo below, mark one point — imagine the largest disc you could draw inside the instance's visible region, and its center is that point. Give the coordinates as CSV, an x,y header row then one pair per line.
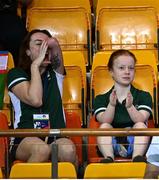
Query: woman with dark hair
x,y
35,88
123,106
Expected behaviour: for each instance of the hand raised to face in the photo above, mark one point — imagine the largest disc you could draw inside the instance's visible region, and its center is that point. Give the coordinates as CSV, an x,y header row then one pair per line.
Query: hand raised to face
x,y
55,50
42,53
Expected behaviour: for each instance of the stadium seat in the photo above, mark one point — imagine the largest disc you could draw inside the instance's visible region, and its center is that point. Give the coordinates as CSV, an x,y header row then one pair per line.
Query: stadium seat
x,y
101,82
93,156
75,88
60,3
126,28
3,141
41,170
1,174
71,26
145,79
125,3
6,109
115,170
73,121
144,57
56,4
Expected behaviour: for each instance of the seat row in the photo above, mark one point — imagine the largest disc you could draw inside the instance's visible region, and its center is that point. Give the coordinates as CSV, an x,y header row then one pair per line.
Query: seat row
x,y
67,170
80,88
77,90
115,26
93,169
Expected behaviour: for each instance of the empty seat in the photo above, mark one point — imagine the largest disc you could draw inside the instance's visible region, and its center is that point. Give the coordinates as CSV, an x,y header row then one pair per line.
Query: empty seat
x,y
41,170
56,3
126,27
3,140
115,170
73,121
60,3
125,3
1,174
74,90
6,109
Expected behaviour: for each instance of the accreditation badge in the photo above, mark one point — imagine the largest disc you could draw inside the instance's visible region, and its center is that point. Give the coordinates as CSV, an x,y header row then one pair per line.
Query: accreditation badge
x,y
41,121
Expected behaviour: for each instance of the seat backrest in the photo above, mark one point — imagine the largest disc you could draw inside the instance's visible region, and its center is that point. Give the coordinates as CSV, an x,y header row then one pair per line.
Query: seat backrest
x,y
126,3
61,3
145,79
144,56
6,109
41,170
126,28
101,82
115,170
71,26
1,174
73,121
3,140
74,89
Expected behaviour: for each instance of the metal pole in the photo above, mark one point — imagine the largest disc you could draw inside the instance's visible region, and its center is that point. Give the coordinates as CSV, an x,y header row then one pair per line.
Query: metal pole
x,y
54,160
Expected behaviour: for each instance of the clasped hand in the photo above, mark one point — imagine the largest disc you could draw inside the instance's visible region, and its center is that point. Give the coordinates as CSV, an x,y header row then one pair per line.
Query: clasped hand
x,y
113,99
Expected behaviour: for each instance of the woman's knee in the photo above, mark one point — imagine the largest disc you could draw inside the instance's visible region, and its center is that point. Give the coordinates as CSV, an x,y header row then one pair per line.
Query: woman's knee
x,y
33,148
67,150
43,150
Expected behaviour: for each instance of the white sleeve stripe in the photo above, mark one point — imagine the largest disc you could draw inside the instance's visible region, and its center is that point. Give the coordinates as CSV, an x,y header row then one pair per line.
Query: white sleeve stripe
x,y
16,80
145,107
100,109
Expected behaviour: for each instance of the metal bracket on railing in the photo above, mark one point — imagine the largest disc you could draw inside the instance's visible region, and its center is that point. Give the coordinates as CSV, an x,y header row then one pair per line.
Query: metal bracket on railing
x,y
54,133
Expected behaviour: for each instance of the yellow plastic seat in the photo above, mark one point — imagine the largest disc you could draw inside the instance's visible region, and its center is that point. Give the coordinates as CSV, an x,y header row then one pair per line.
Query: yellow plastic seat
x,y
56,3
1,174
6,101
61,3
115,170
144,56
72,90
145,79
41,170
71,26
75,89
127,28
4,141
101,82
126,3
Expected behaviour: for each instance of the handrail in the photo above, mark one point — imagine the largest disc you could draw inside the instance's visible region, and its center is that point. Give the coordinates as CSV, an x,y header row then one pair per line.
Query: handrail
x,y
79,132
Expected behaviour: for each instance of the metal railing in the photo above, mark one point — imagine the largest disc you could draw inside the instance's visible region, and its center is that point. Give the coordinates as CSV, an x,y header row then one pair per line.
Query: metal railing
x,y
74,132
